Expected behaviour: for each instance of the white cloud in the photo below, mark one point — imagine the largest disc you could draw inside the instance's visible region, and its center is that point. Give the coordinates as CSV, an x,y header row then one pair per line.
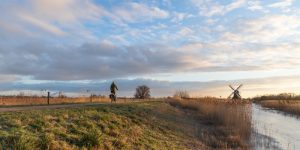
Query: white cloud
x,y
185,31
136,12
58,17
66,11
210,8
234,5
178,16
267,29
255,5
282,4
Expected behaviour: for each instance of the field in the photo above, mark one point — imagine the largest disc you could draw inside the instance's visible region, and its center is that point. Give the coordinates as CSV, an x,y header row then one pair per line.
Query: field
x,y
287,106
170,124
31,100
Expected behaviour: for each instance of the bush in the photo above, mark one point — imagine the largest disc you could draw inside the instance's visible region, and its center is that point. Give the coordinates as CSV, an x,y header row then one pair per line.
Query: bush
x,y
142,92
181,94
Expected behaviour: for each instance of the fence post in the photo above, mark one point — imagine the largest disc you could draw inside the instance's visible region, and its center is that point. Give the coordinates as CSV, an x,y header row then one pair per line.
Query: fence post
x,y
48,98
91,98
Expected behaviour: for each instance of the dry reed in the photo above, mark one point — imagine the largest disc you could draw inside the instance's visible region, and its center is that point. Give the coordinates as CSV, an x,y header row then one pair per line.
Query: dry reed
x,y
288,106
227,123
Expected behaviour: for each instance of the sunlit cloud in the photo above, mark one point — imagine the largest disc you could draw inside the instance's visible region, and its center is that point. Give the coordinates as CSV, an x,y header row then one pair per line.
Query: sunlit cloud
x,y
74,40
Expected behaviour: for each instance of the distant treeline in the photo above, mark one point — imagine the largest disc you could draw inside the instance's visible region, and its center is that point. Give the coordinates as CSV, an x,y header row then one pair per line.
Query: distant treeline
x,y
282,96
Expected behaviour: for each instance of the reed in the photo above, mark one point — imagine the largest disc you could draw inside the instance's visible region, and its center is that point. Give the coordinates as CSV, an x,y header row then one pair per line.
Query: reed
x,y
227,123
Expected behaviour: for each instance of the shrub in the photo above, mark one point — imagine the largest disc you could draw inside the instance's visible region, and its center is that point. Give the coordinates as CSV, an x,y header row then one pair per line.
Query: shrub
x,y
181,94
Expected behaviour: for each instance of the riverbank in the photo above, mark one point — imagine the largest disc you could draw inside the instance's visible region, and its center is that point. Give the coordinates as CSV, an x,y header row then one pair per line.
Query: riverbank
x,y
287,106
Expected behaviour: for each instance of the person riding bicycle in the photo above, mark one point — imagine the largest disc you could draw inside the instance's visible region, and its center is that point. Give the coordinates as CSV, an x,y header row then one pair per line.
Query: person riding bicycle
x,y
113,88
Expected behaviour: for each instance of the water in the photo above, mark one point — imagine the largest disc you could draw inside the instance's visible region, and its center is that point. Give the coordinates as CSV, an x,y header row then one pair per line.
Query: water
x,y
274,130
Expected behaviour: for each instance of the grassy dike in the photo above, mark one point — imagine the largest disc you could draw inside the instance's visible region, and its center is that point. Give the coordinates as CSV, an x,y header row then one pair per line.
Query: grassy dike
x,y
146,125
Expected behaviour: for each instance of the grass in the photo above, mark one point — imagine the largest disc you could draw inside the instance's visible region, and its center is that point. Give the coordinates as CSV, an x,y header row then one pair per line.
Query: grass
x,y
222,124
148,125
172,124
31,100
287,106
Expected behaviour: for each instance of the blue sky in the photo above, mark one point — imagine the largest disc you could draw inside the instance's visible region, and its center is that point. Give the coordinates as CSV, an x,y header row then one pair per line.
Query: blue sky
x,y
176,42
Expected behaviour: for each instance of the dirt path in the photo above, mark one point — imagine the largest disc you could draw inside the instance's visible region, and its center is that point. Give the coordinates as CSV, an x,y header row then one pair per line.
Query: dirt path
x,y
40,107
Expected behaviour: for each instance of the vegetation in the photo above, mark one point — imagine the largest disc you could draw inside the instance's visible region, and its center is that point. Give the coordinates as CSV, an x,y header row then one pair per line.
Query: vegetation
x,y
282,96
285,102
35,100
221,124
171,124
181,94
288,106
142,92
145,125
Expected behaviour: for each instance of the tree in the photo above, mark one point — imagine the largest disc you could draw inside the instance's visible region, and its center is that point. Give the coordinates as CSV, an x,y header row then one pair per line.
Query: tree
x,y
181,94
142,92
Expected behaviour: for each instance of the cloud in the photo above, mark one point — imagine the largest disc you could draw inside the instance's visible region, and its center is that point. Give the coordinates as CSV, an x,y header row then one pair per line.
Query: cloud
x,y
105,60
61,18
282,4
90,40
178,16
266,29
255,5
137,12
66,11
210,8
8,78
43,25
185,31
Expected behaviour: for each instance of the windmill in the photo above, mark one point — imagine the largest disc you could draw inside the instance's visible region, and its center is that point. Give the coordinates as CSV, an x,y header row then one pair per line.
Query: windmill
x,y
235,93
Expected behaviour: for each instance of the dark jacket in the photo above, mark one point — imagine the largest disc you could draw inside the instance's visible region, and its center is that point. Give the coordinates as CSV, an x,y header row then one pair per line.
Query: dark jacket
x,y
113,88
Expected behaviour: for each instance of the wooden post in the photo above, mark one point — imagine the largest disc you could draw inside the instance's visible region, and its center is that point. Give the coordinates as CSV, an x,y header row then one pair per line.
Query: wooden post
x,y
91,98
48,98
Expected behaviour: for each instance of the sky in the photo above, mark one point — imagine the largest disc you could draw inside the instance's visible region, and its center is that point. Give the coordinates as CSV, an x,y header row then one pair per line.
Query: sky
x,y
199,46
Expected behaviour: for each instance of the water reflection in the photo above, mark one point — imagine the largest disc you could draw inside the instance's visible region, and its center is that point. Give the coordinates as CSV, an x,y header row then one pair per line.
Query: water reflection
x,y
273,130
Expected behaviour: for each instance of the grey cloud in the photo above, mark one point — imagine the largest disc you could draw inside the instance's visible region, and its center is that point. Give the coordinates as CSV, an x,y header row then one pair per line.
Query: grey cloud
x,y
88,61
44,61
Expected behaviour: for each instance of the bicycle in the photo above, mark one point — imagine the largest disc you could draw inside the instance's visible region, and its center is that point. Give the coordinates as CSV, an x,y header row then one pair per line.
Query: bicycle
x,y
113,97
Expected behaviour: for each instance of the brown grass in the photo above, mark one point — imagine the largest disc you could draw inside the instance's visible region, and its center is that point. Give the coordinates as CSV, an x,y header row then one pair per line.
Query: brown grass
x,y
7,101
32,100
221,124
288,106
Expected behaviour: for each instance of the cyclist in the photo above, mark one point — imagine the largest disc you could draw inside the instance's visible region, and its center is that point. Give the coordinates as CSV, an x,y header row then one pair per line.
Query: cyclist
x,y
113,88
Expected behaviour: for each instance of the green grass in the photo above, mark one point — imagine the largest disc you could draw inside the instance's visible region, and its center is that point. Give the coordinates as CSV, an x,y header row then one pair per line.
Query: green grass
x,y
149,125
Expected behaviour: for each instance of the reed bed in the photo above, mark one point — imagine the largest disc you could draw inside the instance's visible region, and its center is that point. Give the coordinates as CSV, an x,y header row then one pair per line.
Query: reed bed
x,y
223,124
288,106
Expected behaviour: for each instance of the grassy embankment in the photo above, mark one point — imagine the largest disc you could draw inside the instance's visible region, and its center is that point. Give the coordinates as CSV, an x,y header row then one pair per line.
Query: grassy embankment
x,y
149,125
287,106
